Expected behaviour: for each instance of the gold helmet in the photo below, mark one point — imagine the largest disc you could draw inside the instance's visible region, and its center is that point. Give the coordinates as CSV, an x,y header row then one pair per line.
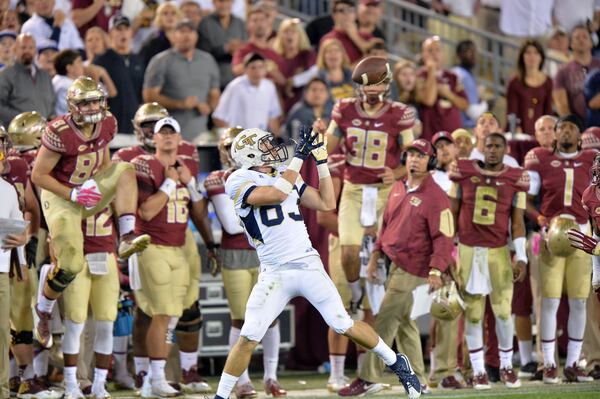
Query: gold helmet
x,y
149,112
556,239
225,142
447,303
84,90
26,129
4,144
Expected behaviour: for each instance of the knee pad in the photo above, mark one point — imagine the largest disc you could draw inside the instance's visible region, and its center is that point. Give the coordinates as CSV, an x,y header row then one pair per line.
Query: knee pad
x,y
342,325
191,319
21,337
71,339
103,341
60,279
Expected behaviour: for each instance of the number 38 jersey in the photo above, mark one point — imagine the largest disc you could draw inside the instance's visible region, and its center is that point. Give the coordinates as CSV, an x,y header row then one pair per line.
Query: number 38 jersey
x,y
372,141
563,181
487,199
80,156
277,232
169,225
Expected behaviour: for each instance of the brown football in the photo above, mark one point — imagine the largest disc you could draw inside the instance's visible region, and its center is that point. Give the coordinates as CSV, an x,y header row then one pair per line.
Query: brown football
x,y
371,71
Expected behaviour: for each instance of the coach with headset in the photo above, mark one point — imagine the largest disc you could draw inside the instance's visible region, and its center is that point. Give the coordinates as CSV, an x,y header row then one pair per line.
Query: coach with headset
x,y
416,236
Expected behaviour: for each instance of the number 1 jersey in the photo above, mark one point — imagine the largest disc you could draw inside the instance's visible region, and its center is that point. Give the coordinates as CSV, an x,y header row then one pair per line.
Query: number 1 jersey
x,y
278,231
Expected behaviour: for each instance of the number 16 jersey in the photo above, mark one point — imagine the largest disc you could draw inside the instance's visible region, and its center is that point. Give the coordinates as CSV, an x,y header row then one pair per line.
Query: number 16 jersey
x,y
277,231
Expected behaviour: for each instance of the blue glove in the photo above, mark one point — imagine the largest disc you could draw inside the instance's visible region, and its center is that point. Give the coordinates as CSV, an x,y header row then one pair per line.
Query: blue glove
x,y
306,142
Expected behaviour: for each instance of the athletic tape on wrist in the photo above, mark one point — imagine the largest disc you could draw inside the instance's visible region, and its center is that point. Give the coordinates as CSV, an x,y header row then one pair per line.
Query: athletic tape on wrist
x,y
168,186
195,196
295,164
323,170
520,245
283,185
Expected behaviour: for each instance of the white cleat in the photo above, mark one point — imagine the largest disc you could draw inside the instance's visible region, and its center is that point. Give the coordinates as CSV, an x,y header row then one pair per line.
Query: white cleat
x,y
335,384
162,389
101,393
124,381
73,393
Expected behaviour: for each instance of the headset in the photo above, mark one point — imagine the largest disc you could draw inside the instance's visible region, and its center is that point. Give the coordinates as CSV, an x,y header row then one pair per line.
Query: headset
x,y
431,163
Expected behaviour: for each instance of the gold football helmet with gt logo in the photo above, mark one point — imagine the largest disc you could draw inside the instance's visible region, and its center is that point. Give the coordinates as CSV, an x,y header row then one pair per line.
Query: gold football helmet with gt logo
x,y
256,147
145,118
26,129
557,240
225,142
84,91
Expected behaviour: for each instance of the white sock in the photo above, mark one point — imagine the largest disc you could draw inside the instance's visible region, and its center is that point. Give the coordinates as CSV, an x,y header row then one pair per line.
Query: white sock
x,y
577,318
120,344
270,344
120,353
40,363
337,365
477,361
158,369
573,351
505,332
70,374
141,364
548,321
46,305
13,370
188,360
525,351
234,335
384,352
474,335
226,384
126,224
356,290
360,359
548,352
505,358
99,379
28,372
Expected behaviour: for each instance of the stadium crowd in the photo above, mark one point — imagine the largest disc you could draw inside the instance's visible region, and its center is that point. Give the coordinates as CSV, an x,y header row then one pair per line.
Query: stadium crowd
x,y
495,209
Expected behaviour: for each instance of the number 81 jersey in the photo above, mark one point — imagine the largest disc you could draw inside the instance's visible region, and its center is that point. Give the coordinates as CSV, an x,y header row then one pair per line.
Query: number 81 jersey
x,y
372,141
563,181
278,231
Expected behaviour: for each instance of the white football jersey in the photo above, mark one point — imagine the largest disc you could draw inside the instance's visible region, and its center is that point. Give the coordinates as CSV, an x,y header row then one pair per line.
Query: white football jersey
x,y
277,232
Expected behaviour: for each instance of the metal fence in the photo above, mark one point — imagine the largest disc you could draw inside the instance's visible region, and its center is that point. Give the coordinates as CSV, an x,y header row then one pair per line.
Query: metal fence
x,y
406,25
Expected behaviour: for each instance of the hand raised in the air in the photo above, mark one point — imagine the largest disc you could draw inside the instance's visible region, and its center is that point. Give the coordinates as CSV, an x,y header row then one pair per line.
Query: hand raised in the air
x,y
305,142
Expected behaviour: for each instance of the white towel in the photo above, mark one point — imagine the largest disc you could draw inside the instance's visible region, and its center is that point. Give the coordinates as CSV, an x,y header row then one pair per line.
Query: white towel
x,y
479,281
375,293
135,282
368,210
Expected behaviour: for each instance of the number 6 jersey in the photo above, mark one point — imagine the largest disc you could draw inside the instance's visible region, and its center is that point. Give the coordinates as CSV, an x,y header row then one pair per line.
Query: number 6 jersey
x,y
560,181
278,231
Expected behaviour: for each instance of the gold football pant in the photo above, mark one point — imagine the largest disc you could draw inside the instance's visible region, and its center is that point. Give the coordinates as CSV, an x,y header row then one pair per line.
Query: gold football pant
x,y
100,292
501,278
192,258
336,272
238,286
558,273
350,229
22,298
393,321
4,328
64,218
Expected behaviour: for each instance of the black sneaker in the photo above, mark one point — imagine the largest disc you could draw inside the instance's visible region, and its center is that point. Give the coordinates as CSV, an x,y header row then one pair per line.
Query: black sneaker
x,y
528,370
493,373
407,376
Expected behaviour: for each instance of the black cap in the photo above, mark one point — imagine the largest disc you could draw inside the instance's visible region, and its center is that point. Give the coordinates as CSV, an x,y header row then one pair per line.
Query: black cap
x,y
251,57
118,20
185,23
574,119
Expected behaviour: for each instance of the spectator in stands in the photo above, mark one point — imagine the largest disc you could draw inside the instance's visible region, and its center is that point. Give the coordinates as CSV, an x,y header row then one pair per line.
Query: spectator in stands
x,y
23,85
141,14
316,104
591,91
568,84
319,27
167,17
126,70
96,43
378,48
221,34
544,130
191,10
463,140
404,90
259,27
47,50
557,49
89,13
7,41
525,18
334,69
25,9
487,124
369,16
11,21
345,29
69,66
250,99
292,44
439,93
467,54
529,93
269,7
47,23
185,80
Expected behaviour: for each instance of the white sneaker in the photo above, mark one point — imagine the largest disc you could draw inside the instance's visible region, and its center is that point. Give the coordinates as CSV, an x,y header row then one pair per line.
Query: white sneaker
x,y
124,381
146,390
101,393
336,383
73,393
162,389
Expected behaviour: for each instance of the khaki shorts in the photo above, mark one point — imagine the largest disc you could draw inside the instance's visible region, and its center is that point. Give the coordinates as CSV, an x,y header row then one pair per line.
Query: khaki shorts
x,y
336,272
350,229
238,286
100,292
165,280
23,295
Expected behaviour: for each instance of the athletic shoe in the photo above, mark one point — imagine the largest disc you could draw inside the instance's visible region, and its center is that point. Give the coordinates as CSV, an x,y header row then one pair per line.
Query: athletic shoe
x,y
509,378
192,382
481,382
131,244
575,373
551,374
528,370
272,387
407,376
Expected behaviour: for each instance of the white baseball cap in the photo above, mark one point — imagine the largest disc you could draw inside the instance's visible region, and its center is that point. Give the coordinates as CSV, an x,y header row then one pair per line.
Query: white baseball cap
x,y
168,121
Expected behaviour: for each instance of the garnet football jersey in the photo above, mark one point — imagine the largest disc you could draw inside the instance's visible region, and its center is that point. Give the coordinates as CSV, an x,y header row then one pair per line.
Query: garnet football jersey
x,y
80,156
486,199
169,225
591,203
17,174
563,181
128,153
99,233
371,141
215,185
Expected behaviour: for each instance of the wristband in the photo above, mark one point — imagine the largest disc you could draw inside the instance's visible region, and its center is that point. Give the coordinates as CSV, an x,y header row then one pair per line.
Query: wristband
x,y
283,185
168,186
323,170
73,194
435,272
520,251
295,164
195,196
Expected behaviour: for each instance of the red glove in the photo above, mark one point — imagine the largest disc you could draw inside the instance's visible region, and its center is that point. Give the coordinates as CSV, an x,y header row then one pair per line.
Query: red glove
x,y
583,242
87,194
